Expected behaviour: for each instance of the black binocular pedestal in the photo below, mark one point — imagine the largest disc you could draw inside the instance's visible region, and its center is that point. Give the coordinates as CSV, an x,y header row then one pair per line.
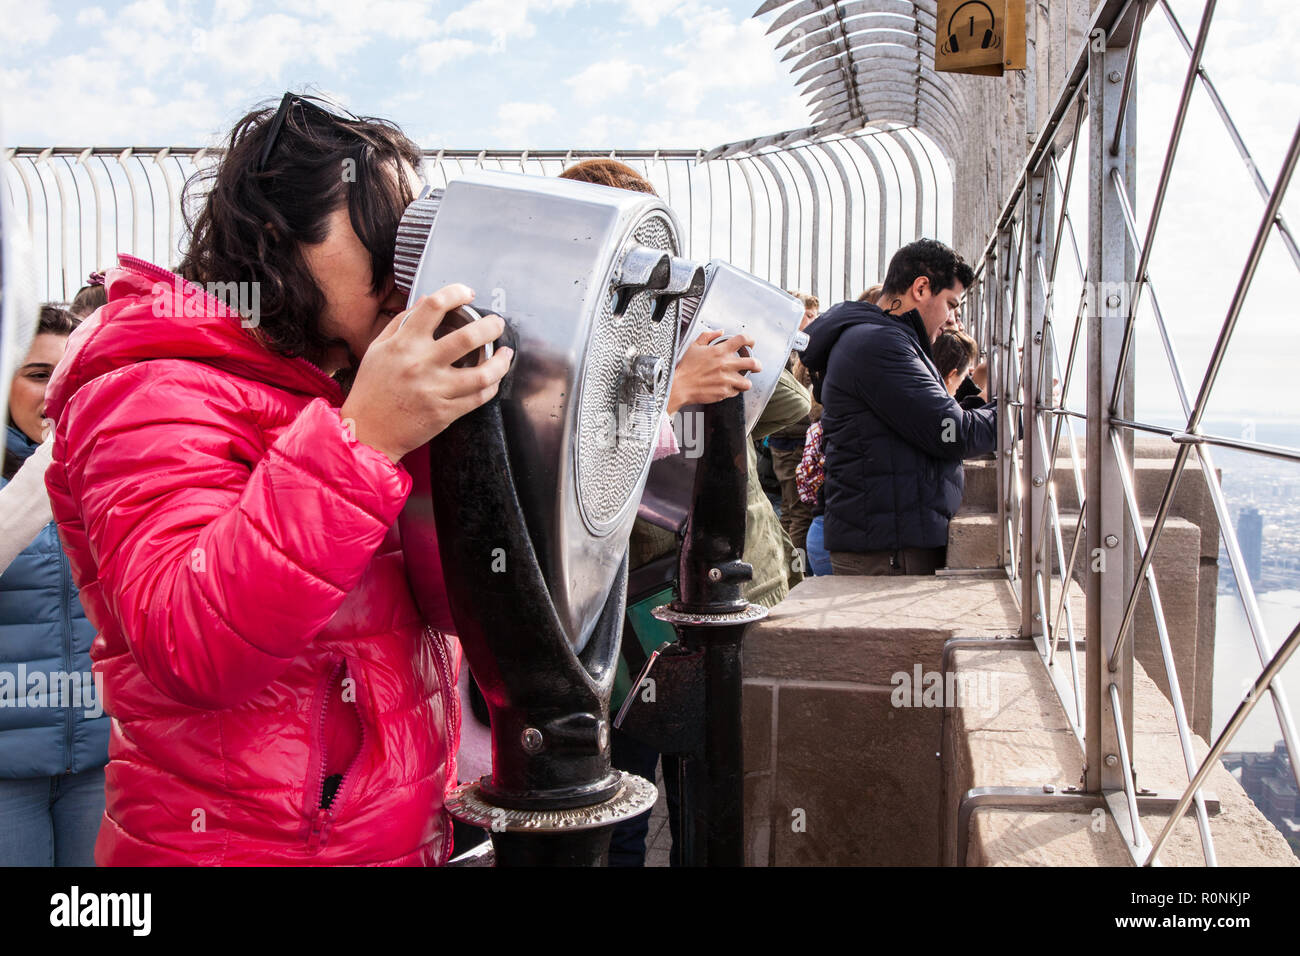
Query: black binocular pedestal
x,y
553,798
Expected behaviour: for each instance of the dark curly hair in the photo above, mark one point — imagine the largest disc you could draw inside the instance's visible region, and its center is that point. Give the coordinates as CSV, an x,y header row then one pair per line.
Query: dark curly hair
x,y
252,224
929,258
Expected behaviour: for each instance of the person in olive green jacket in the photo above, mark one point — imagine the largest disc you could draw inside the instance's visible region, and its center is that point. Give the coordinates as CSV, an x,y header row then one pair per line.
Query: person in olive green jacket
x,y
777,565
787,445
768,549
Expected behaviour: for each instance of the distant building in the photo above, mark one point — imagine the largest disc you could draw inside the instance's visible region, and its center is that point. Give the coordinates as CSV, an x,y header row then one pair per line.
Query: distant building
x,y
1269,782
1250,534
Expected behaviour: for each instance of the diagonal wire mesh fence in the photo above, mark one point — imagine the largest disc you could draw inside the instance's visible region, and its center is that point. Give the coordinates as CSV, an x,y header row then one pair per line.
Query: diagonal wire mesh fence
x,y
1063,284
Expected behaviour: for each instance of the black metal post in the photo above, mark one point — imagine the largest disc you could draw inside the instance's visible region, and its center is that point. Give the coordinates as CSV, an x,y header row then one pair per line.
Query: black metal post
x,y
710,618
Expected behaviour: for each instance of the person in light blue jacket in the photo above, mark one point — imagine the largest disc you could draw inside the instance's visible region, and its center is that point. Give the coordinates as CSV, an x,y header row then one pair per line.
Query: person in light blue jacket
x,y
53,731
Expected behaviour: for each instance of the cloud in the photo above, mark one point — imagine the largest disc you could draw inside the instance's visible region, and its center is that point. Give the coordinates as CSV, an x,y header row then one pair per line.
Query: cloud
x,y
25,23
266,47
603,129
649,12
604,80
434,139
503,19
742,120
515,121
719,54
91,16
243,51
227,10
718,84
110,106
432,56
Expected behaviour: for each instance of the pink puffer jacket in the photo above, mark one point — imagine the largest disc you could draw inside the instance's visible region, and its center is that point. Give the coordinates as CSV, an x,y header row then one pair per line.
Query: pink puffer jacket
x,y
238,553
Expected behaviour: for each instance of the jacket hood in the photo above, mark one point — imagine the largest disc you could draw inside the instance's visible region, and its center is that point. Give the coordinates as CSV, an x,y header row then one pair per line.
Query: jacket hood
x,y
155,314
827,328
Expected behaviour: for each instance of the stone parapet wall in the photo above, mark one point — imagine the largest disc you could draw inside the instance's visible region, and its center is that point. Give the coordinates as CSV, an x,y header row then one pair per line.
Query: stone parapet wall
x,y
834,772
1025,742
847,764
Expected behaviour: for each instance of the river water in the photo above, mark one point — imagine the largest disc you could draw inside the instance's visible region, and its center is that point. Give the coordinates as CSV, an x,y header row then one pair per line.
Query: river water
x,y
1236,664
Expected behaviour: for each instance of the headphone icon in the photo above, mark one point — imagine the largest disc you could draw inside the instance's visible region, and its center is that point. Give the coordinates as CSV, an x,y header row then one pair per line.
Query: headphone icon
x,y
988,34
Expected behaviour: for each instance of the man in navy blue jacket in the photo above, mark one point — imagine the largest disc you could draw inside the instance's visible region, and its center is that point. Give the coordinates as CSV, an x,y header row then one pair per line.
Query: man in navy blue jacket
x,y
894,438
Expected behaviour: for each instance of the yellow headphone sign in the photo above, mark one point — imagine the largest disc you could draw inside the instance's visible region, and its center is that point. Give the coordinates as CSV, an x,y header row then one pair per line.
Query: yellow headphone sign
x,y
984,37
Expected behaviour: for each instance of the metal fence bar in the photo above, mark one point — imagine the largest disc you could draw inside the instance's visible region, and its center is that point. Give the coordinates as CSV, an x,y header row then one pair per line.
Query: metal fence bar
x,y
1107,537
1038,238
882,226
784,233
1166,652
1130,71
1162,189
154,231
999,261
1234,134
1136,839
814,283
1110,524
848,217
1066,375
1265,679
1212,372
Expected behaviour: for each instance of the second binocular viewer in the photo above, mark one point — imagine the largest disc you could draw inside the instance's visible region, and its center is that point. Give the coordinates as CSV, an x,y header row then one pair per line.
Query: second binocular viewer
x,y
521,511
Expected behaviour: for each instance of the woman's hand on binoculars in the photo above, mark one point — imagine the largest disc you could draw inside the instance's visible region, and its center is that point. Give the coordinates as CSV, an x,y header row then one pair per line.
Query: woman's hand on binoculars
x,y
709,373
407,389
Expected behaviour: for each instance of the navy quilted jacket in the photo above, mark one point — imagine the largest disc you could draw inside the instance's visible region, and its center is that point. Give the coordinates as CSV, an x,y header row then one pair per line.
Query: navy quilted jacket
x,y
45,661
894,438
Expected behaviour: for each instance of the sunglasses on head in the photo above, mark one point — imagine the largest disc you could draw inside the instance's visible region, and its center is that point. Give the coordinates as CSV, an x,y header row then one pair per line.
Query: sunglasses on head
x,y
288,101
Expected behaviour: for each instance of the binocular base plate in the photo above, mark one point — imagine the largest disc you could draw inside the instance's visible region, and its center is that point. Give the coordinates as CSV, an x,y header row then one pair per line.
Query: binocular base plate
x,y
672,615
635,795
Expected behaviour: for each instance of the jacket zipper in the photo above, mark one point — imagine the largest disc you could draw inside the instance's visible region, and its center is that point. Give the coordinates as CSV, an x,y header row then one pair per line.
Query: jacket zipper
x,y
65,573
323,817
336,390
451,702
451,709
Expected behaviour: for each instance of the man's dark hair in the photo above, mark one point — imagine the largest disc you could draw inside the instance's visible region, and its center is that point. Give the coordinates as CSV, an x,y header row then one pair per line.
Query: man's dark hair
x,y
929,258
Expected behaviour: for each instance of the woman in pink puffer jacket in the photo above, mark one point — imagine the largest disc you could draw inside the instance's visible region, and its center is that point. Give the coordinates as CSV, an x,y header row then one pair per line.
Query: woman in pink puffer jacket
x,y
229,512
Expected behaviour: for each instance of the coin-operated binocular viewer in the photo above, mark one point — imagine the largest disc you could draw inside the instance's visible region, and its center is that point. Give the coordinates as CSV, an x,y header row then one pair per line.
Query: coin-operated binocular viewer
x,y
696,714
523,508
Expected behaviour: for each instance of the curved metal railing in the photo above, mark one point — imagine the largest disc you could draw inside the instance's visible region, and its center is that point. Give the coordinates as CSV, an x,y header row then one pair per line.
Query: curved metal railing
x,y
819,213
